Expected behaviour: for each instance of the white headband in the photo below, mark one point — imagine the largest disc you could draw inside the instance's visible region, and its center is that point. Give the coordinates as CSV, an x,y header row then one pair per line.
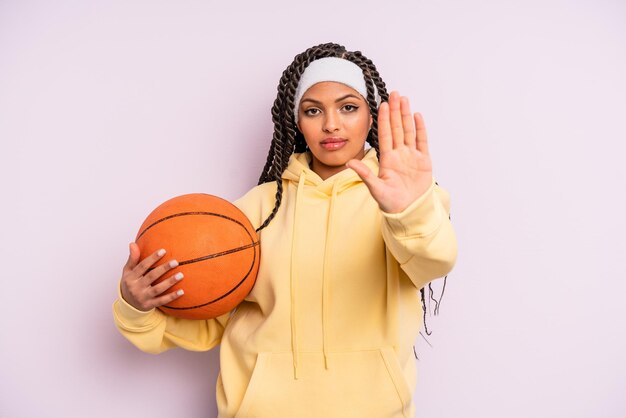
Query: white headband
x,y
332,69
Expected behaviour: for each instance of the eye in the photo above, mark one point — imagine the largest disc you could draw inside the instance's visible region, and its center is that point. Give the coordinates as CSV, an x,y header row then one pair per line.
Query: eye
x,y
350,108
311,111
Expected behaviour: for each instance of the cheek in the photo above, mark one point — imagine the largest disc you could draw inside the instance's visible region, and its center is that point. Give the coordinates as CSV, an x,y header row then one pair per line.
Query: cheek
x,y
360,124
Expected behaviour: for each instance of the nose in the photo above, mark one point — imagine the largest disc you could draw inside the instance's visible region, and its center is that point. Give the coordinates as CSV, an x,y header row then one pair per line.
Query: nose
x,y
332,122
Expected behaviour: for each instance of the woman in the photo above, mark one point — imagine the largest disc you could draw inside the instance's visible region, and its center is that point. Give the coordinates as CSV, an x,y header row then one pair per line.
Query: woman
x,y
347,242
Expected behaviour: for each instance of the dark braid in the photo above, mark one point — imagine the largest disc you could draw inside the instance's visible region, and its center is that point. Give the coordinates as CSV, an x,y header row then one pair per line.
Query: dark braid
x,y
287,139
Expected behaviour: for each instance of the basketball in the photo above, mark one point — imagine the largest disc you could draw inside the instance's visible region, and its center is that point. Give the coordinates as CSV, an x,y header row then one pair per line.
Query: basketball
x,y
216,247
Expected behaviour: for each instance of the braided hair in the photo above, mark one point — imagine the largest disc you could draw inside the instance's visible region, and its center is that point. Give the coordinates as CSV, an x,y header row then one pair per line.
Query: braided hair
x,y
287,139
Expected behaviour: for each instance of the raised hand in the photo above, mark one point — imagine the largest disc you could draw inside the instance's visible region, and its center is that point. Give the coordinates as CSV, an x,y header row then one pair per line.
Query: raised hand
x,y
405,168
136,284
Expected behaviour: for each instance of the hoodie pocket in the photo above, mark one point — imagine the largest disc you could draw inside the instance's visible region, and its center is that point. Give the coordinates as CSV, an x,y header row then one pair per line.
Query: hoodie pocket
x,y
357,384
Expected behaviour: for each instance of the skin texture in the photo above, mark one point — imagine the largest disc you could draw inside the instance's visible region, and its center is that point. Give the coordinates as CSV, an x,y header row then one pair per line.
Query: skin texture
x,y
136,284
406,170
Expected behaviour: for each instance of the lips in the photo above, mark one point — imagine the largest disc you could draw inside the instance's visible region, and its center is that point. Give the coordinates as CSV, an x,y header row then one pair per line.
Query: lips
x,y
333,143
333,140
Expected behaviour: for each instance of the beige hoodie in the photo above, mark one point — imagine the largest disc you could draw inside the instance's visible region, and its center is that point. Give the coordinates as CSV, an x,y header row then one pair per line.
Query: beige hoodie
x,y
328,328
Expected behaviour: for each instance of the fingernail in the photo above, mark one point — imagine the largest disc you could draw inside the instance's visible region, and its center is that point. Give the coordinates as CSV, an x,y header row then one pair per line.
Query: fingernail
x,y
161,252
178,276
173,263
180,292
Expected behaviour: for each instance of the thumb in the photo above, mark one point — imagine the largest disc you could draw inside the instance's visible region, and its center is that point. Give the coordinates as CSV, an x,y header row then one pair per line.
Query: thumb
x,y
371,181
133,256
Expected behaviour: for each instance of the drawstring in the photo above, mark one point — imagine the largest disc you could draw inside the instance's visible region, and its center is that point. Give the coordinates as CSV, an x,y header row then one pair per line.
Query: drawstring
x,y
325,279
325,284
326,272
294,336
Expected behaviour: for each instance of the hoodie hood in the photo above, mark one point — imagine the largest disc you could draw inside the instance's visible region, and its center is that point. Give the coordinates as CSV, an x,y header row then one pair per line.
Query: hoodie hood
x,y
299,164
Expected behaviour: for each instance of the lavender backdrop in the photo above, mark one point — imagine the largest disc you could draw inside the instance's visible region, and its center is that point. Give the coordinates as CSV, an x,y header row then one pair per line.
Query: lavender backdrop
x,y
108,108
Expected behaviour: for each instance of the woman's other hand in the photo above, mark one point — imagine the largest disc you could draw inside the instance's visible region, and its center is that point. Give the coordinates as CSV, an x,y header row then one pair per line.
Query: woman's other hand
x,y
405,170
136,283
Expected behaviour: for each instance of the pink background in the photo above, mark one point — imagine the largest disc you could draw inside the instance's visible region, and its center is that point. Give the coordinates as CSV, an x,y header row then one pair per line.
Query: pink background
x,y
108,108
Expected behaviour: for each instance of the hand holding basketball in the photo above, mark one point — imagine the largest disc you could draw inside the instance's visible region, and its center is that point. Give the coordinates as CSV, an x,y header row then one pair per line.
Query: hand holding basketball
x,y
136,285
212,243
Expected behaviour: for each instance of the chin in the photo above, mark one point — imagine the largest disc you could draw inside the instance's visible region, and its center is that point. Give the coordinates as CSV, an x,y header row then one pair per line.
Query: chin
x,y
336,159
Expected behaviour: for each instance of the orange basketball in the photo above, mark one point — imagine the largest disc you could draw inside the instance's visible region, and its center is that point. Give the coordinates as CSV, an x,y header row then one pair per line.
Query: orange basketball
x,y
216,247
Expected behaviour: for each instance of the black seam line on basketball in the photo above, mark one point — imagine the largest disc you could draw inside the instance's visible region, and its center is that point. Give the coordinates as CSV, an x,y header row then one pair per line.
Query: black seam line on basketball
x,y
210,256
225,294
188,214
221,216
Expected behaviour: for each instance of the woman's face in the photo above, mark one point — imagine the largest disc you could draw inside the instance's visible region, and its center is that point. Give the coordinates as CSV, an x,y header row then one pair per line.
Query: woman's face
x,y
334,120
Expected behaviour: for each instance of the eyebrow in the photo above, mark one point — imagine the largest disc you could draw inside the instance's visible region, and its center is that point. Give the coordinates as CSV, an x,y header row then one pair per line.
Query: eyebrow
x,y
336,101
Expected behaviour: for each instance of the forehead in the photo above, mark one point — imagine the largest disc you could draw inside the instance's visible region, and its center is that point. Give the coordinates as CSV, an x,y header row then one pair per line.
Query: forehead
x,y
330,90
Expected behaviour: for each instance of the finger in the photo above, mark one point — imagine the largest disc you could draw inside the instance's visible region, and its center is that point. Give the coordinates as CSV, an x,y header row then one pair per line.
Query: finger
x,y
159,271
384,128
395,118
160,288
167,298
372,182
141,268
422,139
407,123
133,257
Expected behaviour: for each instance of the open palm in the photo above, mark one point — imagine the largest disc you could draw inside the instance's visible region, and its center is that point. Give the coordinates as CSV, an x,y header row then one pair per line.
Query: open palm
x,y
405,171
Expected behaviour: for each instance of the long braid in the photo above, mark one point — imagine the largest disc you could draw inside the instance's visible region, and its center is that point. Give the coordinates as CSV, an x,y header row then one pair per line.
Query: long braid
x,y
287,139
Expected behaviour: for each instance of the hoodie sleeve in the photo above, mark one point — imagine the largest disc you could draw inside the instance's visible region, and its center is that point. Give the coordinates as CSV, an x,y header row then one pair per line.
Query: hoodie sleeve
x,y
421,237
154,332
